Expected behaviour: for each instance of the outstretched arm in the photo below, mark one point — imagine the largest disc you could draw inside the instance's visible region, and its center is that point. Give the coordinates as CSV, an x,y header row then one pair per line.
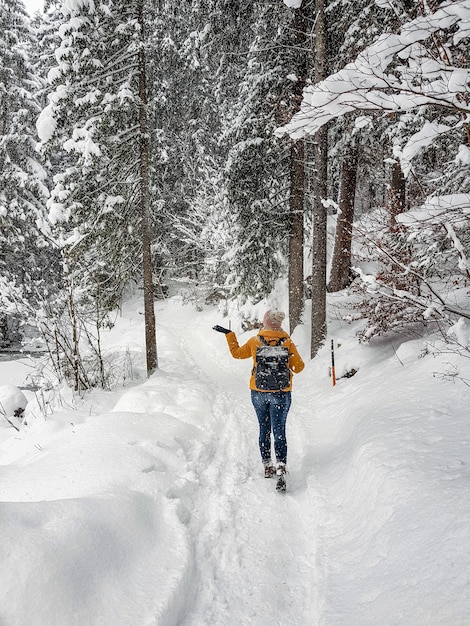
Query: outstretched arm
x,y
238,352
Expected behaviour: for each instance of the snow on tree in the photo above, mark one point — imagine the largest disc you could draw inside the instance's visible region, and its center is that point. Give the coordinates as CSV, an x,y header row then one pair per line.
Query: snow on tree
x,y
359,141
421,65
185,75
257,170
23,186
421,70
96,121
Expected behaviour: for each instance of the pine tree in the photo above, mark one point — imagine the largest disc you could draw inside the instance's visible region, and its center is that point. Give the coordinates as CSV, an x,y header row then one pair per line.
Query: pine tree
x,y
304,18
96,118
185,51
258,169
24,244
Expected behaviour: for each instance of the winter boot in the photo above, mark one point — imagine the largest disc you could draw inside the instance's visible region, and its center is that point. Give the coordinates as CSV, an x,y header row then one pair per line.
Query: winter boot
x,y
281,472
269,469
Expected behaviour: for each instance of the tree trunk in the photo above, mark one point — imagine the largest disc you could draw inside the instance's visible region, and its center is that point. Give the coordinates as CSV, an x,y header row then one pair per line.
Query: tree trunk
x,y
340,274
397,195
297,183
149,311
296,232
318,321
318,284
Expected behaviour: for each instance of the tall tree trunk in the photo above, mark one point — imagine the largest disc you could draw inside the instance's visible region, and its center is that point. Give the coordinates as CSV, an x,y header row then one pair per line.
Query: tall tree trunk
x,y
340,274
296,232
318,321
149,311
297,182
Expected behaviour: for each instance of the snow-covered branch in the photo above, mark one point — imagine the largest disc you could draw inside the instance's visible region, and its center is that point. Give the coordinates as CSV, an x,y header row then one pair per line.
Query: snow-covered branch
x,y
398,72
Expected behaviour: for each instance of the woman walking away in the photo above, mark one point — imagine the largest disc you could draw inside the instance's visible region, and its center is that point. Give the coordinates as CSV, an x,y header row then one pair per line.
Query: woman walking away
x,y
275,359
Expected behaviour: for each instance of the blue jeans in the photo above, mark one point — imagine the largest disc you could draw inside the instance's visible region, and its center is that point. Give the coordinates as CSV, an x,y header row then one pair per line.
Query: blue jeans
x,y
271,409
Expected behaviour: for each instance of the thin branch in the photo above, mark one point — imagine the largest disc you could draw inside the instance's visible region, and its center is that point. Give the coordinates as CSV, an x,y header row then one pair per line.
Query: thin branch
x,y
420,277
4,413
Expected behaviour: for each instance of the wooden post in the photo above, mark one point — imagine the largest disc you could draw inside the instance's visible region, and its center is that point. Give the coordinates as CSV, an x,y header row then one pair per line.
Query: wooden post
x,y
333,375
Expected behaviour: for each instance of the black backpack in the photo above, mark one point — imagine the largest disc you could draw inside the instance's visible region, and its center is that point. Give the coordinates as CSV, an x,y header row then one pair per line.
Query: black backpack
x,y
272,365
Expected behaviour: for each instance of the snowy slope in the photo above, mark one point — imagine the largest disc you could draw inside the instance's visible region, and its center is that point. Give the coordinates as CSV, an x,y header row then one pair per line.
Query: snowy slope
x,y
147,505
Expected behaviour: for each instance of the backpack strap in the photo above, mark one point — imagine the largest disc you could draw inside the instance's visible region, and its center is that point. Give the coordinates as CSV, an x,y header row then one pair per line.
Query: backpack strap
x,y
269,342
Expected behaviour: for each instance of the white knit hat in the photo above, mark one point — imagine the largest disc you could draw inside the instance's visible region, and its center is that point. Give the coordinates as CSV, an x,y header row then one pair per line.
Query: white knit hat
x,y
275,318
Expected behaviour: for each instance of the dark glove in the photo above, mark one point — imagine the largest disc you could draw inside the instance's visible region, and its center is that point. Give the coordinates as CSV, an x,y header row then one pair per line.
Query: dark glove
x,y
221,329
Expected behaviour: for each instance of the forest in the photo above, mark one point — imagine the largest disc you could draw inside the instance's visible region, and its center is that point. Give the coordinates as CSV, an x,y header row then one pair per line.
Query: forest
x,y
223,147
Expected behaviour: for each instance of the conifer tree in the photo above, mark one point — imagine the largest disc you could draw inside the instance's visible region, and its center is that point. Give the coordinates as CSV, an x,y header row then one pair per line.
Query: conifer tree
x,y
185,50
24,244
304,18
260,166
95,118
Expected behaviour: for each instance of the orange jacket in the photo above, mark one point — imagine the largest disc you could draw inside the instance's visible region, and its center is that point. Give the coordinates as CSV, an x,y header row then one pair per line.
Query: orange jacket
x,y
296,364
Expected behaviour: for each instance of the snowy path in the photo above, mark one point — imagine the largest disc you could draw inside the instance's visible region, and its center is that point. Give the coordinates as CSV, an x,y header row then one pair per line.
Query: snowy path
x,y
251,546
254,549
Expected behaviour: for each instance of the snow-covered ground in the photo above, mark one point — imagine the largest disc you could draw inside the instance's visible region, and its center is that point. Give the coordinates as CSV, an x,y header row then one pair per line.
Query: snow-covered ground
x,y
147,505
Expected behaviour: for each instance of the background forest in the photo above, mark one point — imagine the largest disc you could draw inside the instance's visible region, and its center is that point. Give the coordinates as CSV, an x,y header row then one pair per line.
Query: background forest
x,y
220,148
